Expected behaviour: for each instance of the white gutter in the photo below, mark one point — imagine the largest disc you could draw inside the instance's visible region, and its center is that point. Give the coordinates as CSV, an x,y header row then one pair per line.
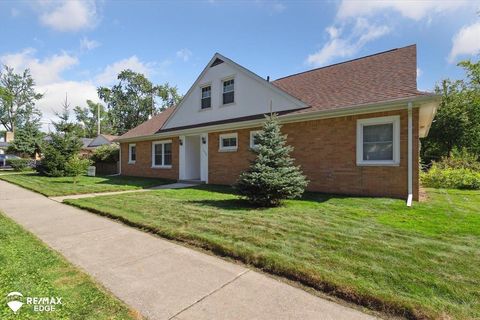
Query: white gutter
x,y
410,156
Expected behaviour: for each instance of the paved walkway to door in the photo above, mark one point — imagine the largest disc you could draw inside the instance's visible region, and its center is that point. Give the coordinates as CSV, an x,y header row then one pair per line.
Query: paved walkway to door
x,y
160,279
176,185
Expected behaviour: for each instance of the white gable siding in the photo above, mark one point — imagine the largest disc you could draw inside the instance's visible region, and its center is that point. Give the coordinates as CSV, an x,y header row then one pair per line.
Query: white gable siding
x,y
252,97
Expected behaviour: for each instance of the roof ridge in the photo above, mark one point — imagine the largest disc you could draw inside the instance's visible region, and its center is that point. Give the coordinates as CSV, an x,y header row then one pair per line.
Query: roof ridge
x,y
343,62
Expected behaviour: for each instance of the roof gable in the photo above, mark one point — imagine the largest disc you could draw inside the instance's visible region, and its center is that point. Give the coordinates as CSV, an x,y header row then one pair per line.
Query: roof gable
x,y
253,95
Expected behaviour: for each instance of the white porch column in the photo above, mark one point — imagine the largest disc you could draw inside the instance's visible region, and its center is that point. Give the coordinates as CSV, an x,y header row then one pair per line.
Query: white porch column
x,y
181,158
204,157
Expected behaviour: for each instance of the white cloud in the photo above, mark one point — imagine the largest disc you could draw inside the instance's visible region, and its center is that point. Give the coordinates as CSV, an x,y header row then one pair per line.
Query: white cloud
x,y
110,73
466,42
339,46
14,12
69,15
87,45
43,71
184,54
415,10
54,95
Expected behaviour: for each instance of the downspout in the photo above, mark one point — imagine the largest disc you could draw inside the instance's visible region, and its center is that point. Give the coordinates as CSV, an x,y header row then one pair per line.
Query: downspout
x,y
410,156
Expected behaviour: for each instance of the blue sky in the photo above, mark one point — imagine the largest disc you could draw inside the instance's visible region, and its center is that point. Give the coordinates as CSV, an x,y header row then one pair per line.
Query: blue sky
x,y
74,46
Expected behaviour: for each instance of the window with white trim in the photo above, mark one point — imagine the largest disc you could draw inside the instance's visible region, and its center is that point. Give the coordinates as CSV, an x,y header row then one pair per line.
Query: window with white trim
x,y
228,91
132,153
206,100
228,142
253,138
162,154
378,141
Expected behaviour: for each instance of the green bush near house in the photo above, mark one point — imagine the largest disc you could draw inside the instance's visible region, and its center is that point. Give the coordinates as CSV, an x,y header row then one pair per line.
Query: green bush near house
x,y
106,153
19,164
459,171
450,178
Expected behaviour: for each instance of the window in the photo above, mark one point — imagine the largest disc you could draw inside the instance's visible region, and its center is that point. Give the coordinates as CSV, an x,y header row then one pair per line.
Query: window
x,y
132,153
228,91
378,141
162,154
253,138
228,142
206,97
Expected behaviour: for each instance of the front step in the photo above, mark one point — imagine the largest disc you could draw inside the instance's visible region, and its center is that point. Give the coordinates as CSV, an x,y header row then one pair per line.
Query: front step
x,y
192,181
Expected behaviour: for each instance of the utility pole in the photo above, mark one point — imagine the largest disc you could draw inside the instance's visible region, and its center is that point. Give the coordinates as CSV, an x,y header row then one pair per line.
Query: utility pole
x,y
98,118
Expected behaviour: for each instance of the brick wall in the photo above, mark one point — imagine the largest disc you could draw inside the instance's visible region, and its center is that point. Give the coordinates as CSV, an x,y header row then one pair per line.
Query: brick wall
x,y
143,164
326,151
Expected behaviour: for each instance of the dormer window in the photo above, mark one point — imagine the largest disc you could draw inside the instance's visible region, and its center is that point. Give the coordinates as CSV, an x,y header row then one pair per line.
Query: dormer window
x,y
228,91
206,97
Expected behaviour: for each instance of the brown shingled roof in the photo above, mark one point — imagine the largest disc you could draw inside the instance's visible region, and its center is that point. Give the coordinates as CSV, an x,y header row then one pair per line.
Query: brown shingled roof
x,y
381,77
149,127
384,76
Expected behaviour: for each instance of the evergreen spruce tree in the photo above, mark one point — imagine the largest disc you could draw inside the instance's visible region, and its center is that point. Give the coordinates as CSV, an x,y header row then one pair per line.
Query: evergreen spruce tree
x,y
272,176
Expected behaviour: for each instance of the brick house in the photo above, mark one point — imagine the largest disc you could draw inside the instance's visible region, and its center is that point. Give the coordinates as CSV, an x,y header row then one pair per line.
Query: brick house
x,y
355,126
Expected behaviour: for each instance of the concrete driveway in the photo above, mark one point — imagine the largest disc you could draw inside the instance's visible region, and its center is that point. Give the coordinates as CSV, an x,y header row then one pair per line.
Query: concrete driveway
x,y
160,279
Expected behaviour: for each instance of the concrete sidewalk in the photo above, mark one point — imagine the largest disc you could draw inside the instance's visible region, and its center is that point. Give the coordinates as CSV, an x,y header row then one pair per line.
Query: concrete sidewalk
x,y
161,279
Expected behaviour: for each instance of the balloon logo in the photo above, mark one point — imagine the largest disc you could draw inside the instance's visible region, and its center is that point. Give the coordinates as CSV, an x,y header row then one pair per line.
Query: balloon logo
x,y
14,302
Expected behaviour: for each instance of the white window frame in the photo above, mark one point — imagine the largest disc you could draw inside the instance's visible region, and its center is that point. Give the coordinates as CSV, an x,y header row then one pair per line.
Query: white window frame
x,y
252,140
161,166
395,121
221,148
234,89
130,161
201,98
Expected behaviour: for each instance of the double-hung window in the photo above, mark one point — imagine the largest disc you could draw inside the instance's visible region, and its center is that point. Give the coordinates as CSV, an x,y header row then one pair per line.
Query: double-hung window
x,y
228,142
254,139
162,154
132,153
378,141
228,91
206,97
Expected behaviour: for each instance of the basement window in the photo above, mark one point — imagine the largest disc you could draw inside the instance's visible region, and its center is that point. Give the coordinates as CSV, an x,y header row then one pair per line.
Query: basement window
x,y
228,142
378,141
132,153
162,154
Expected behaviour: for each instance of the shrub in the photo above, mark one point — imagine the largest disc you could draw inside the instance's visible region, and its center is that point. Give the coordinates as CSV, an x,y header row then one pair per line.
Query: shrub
x,y
77,166
19,164
460,159
272,176
106,153
453,178
56,154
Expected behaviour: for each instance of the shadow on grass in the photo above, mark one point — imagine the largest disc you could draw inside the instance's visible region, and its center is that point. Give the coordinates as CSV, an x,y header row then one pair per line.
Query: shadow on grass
x,y
226,204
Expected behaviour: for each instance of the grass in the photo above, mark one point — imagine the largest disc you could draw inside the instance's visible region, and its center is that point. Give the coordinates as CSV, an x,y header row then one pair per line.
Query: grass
x,y
62,186
29,267
420,262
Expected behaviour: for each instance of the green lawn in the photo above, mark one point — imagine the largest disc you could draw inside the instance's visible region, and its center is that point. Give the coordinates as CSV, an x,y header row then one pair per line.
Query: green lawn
x,y
62,186
29,267
420,262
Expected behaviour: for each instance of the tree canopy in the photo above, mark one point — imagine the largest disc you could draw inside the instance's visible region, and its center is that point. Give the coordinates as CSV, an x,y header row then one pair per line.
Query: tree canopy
x,y
17,99
88,119
134,98
457,122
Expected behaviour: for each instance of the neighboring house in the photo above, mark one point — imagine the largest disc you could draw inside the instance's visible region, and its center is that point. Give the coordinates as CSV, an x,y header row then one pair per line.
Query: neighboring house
x,y
86,149
5,138
355,126
102,139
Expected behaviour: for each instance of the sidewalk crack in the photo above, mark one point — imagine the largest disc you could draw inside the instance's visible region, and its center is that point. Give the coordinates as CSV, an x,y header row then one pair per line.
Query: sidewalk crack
x,y
209,294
